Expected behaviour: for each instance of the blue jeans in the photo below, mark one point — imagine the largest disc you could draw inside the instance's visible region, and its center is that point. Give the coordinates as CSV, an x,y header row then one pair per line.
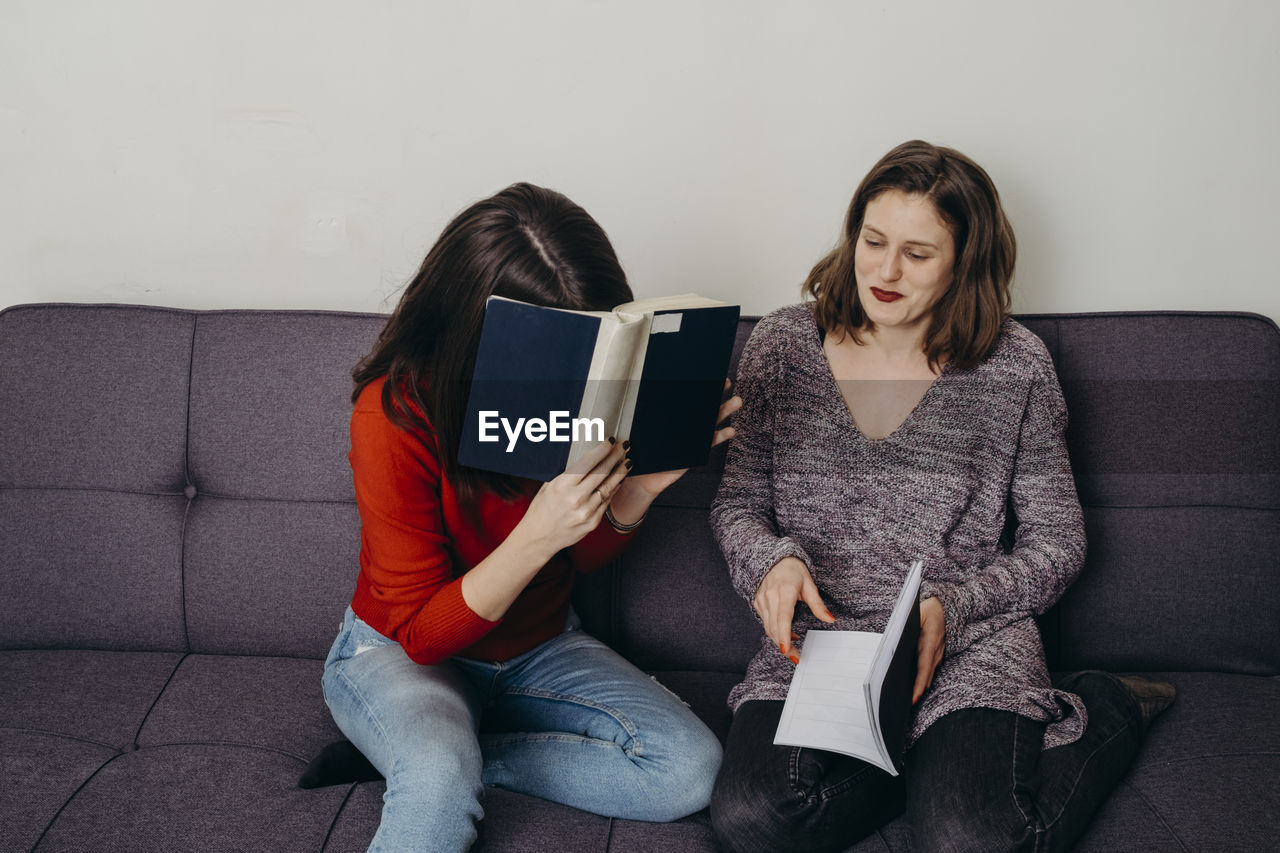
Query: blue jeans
x,y
569,721
976,781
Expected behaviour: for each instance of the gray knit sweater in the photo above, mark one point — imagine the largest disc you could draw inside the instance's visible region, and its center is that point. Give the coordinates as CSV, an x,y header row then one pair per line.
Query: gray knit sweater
x,y
801,480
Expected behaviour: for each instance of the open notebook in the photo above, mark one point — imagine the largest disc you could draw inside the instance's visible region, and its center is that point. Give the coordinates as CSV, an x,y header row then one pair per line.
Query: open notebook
x,y
851,691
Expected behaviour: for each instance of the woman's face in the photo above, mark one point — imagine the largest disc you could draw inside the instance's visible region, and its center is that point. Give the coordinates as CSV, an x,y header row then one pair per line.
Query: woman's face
x,y
903,260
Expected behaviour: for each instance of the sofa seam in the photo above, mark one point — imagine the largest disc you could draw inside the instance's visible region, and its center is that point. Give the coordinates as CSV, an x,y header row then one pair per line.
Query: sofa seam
x,y
190,312
63,736
71,797
110,489
179,495
333,824
188,484
226,744
1156,812
227,497
142,724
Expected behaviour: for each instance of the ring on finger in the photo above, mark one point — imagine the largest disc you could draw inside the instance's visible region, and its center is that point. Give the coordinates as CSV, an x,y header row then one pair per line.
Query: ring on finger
x,y
603,497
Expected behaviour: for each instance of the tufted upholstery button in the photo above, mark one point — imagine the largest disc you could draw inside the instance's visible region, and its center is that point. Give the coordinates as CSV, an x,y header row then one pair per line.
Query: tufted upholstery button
x,y
189,491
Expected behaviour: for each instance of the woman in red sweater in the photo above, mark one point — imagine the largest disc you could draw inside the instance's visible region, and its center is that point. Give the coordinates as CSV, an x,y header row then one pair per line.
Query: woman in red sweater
x,y
459,662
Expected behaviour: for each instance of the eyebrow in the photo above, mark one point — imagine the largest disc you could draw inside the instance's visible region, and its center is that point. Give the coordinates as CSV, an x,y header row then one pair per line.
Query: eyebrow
x,y
867,227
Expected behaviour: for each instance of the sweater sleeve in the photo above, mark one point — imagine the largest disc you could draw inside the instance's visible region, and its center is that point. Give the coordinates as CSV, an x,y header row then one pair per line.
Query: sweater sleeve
x,y
1049,549
742,515
404,550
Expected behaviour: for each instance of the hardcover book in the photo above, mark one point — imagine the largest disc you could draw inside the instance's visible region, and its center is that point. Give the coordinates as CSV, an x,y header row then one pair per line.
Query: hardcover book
x,y
550,383
851,691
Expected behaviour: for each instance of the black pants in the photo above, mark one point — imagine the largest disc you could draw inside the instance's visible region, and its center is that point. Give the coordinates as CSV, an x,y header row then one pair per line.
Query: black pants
x,y
977,780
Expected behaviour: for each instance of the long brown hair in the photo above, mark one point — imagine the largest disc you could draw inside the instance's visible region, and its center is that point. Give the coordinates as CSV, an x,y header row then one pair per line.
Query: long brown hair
x,y
966,321
526,243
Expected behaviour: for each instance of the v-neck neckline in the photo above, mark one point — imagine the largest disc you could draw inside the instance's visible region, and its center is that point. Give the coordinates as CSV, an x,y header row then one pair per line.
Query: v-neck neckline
x,y
834,387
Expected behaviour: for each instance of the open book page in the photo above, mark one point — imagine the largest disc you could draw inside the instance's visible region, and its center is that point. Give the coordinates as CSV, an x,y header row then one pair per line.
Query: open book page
x,y
826,704
616,365
666,303
642,306
553,308
851,691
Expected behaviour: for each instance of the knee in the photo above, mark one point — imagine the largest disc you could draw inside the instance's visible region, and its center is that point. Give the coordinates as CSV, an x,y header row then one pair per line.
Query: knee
x,y
685,780
745,818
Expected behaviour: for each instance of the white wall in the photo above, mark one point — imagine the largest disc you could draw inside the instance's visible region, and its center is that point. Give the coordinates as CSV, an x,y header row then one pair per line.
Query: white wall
x,y
254,153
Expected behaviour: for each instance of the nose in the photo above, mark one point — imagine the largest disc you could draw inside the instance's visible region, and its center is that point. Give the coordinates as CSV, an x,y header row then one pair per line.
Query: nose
x,y
890,267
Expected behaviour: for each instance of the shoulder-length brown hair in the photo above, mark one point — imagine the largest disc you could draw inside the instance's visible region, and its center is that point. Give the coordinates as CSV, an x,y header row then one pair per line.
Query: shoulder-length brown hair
x,y
966,320
526,243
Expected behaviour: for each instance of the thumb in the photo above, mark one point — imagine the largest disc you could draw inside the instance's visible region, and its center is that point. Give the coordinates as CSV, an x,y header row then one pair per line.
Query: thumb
x,y
809,592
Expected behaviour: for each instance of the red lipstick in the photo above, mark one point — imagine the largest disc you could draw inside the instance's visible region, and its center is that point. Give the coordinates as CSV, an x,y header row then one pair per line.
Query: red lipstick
x,y
885,295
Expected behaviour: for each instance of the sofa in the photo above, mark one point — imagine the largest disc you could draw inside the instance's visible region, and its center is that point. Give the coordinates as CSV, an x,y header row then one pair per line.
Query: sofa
x,y
178,539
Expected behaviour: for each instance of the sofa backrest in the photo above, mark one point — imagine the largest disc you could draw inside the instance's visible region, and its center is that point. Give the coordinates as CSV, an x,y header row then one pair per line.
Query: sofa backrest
x,y
1174,434
177,480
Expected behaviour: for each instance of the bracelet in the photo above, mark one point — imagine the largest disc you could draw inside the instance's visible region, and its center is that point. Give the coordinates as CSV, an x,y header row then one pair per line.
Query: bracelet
x,y
618,525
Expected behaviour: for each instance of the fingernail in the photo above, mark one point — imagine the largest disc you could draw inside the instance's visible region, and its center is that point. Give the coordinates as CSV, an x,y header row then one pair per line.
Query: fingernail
x,y
612,440
629,464
782,648
626,445
794,658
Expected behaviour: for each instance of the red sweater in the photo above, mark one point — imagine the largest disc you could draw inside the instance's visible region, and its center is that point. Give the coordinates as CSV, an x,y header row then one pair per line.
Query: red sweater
x,y
416,542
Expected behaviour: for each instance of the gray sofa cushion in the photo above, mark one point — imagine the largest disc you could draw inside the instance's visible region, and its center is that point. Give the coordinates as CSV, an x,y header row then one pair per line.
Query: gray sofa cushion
x,y
261,702
268,576
94,397
94,696
46,772
91,568
177,797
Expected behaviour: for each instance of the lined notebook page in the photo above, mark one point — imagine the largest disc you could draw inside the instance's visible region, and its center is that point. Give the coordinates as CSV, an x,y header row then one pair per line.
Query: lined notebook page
x,y
826,704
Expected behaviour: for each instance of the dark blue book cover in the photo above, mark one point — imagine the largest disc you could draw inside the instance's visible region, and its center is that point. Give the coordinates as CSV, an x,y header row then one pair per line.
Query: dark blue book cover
x,y
532,367
532,361
681,388
896,713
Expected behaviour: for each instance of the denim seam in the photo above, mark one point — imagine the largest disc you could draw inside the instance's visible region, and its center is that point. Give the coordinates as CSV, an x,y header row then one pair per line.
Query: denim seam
x,y
364,702
793,773
492,740
637,746
830,791
1013,773
822,792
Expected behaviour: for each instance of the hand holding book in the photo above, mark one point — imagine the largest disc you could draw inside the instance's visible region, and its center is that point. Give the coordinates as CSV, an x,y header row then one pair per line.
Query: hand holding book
x,y
851,692
563,511
654,483
933,640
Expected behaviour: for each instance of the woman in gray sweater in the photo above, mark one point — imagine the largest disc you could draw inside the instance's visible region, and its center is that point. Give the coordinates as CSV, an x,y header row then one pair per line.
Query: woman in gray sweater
x,y
904,415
